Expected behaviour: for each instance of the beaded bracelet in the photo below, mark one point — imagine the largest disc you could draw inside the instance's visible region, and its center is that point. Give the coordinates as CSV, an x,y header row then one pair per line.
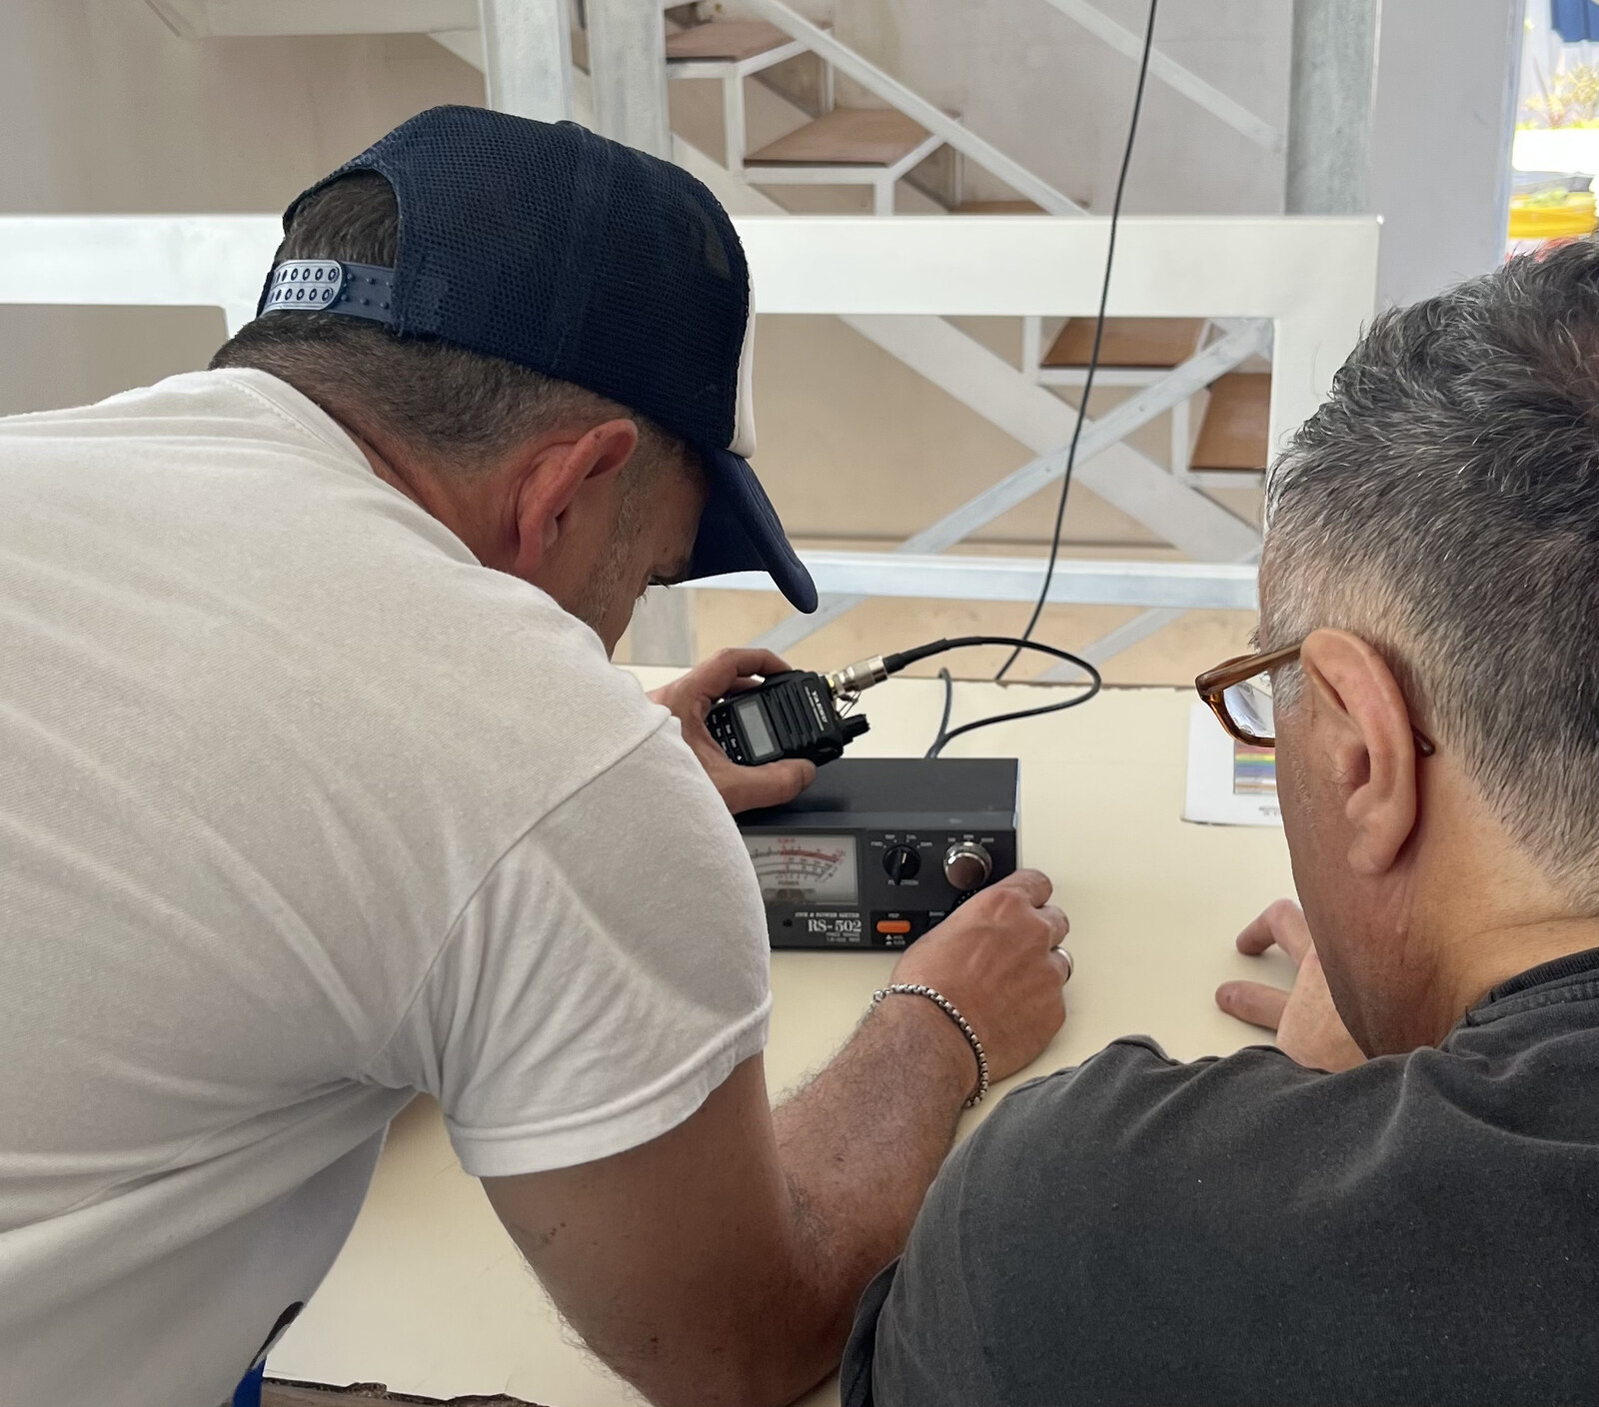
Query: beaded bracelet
x,y
916,989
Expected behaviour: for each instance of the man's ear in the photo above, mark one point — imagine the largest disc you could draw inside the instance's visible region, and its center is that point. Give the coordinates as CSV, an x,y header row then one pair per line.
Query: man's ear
x,y
555,475
1359,727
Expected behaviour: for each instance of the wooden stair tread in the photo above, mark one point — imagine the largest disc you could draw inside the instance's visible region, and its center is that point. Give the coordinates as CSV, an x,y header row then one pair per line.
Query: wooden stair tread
x,y
1000,207
1237,427
724,41
1128,342
845,137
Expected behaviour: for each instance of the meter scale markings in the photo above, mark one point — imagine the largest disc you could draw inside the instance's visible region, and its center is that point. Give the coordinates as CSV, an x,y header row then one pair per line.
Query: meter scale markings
x,y
804,869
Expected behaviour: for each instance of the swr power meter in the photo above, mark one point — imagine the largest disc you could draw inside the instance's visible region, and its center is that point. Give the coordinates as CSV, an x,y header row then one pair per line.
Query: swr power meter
x,y
878,850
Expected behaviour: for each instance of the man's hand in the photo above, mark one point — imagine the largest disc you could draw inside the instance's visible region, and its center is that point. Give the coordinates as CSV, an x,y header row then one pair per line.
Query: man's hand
x,y
996,960
1307,1023
690,699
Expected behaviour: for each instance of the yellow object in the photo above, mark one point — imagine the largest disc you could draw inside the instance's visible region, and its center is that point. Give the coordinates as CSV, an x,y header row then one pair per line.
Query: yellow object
x,y
1553,217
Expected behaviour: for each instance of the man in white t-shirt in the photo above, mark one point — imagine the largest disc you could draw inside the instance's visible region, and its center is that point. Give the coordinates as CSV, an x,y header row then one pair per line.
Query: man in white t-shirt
x,y
319,790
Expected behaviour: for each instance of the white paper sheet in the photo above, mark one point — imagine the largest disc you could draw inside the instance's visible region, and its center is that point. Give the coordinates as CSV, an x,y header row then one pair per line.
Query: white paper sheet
x,y
1229,783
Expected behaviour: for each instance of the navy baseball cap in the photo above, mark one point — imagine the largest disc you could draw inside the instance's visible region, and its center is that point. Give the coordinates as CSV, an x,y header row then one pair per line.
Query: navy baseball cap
x,y
551,247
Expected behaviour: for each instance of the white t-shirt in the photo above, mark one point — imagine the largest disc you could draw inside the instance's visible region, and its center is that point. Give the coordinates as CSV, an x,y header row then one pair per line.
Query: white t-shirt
x,y
303,810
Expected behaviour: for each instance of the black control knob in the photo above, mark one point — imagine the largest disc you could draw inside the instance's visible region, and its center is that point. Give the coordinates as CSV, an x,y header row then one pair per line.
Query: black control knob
x,y
902,863
967,865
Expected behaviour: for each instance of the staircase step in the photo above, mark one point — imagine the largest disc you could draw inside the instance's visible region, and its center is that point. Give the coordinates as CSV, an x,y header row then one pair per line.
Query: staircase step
x,y
999,207
724,41
845,137
1237,427
1128,342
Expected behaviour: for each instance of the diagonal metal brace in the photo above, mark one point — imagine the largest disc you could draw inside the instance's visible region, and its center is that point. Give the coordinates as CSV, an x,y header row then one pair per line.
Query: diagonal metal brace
x,y
1172,73
1041,420
1183,381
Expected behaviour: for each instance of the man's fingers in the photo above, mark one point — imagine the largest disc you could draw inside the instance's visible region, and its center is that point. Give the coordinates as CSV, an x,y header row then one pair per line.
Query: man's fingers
x,y
726,672
731,666
1061,961
770,785
1034,884
1282,923
1253,1002
1056,923
1256,937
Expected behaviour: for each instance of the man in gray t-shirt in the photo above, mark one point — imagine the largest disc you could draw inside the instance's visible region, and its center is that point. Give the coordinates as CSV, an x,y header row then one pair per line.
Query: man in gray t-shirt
x,y
1400,1203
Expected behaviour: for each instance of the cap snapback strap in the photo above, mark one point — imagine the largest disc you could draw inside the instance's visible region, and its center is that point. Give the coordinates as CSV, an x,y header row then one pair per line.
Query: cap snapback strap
x,y
329,286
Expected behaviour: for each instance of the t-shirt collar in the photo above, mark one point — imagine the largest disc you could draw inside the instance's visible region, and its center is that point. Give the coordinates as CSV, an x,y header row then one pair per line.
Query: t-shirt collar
x,y
1571,969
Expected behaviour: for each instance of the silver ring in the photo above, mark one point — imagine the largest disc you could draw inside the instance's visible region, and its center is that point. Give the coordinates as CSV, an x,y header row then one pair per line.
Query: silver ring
x,y
1071,965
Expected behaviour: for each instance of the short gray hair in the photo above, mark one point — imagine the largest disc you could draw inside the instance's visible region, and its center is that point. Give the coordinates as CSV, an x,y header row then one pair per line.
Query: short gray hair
x,y
1444,505
457,406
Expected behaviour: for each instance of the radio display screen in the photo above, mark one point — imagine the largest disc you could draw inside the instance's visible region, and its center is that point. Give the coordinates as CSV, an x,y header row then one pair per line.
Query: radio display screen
x,y
806,869
762,744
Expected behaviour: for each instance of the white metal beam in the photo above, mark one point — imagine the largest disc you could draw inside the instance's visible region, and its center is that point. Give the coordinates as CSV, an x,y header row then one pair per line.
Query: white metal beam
x,y
1314,277
1173,74
627,64
149,260
207,19
527,57
913,105
1332,86
1183,585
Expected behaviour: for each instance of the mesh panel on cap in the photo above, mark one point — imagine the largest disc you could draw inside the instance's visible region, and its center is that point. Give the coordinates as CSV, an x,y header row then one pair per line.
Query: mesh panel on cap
x,y
553,248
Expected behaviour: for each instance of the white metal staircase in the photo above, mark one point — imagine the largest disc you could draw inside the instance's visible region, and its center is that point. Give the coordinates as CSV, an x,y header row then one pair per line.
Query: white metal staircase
x,y
848,146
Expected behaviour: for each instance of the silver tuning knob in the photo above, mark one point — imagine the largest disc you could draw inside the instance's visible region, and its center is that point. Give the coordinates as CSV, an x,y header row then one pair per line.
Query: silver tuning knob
x,y
967,865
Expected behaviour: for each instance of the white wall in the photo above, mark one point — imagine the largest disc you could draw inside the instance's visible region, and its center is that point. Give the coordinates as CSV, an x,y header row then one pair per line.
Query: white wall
x,y
102,108
1051,95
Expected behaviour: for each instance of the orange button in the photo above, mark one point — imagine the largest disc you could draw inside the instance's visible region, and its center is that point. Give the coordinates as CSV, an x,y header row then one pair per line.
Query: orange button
x,y
893,925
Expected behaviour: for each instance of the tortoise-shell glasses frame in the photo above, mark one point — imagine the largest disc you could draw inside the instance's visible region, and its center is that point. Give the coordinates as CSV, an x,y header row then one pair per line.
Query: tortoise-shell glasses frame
x,y
1244,708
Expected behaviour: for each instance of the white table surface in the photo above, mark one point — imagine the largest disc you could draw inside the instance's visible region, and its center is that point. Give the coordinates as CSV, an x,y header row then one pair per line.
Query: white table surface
x,y
430,1296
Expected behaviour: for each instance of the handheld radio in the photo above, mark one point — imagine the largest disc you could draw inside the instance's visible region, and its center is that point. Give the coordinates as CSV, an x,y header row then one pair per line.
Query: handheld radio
x,y
787,715
797,713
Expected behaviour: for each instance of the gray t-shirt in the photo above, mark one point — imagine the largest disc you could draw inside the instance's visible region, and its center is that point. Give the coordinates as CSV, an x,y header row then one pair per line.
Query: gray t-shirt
x,y
1422,1229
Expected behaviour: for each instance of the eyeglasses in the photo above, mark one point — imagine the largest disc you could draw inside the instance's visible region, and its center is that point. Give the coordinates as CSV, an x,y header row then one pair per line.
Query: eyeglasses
x,y
1239,694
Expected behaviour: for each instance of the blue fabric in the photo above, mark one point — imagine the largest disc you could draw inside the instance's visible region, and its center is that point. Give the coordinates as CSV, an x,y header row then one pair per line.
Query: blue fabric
x,y
248,1392
1575,21
740,531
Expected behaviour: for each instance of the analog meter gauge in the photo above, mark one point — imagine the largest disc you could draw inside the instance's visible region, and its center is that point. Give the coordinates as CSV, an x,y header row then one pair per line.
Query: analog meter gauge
x,y
877,850
805,869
